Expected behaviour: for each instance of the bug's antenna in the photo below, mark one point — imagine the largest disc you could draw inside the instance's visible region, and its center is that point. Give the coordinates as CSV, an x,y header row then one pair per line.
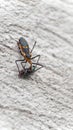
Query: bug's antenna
x,y
33,46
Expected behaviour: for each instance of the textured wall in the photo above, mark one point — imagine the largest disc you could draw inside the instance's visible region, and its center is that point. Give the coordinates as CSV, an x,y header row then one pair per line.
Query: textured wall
x,y
44,101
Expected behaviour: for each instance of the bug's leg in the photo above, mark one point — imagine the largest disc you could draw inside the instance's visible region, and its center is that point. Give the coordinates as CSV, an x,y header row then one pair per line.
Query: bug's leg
x,y
37,59
23,66
17,64
38,64
27,61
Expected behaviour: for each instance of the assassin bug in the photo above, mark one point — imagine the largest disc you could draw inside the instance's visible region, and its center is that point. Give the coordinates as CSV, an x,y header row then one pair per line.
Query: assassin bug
x,y
27,54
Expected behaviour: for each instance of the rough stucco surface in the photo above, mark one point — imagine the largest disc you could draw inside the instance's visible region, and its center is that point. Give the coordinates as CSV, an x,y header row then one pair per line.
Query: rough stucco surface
x,y
44,101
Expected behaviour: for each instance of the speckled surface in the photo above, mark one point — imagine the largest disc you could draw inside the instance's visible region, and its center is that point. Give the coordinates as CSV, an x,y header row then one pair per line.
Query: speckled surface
x,y
44,101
